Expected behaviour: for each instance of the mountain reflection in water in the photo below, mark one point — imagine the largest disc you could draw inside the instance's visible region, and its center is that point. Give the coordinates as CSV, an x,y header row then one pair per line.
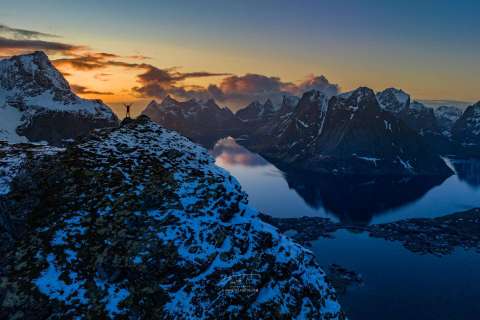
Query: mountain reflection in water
x,y
359,200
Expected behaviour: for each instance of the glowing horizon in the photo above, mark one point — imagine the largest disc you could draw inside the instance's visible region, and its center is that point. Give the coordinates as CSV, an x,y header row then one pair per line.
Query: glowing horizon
x,y
426,49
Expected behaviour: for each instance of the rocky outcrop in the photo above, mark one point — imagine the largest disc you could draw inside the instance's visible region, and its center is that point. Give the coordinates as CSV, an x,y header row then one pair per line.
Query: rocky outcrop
x,y
137,222
37,103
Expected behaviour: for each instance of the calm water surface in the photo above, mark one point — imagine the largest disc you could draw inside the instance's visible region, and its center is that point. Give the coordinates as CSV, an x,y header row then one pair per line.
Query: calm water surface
x,y
398,283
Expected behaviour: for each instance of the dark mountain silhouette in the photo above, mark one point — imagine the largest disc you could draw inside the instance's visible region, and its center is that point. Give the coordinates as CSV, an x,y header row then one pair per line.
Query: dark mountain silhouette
x,y
357,199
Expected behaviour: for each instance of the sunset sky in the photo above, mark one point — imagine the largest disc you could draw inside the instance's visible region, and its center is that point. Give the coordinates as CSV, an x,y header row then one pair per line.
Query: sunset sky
x,y
122,51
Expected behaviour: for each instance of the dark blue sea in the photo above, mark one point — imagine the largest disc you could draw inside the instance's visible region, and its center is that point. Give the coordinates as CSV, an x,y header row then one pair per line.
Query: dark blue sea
x,y
398,284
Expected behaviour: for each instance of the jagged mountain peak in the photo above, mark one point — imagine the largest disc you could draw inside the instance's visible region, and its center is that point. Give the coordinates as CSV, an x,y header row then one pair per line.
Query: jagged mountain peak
x,y
256,111
362,98
32,73
312,94
393,100
153,104
169,101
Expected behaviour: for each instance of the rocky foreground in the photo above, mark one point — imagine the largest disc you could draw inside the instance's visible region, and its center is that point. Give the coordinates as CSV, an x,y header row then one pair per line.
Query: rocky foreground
x,y
137,222
438,236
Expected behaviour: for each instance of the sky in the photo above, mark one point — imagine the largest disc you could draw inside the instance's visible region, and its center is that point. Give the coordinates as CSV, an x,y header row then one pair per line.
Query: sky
x,y
236,51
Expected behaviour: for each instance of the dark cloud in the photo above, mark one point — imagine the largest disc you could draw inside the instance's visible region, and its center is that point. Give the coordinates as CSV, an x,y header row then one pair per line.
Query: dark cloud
x,y
23,34
241,90
158,83
84,90
102,76
237,91
16,46
139,57
94,60
234,91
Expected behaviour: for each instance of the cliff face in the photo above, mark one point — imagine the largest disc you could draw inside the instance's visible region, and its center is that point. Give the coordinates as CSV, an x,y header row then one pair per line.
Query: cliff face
x,y
138,222
466,129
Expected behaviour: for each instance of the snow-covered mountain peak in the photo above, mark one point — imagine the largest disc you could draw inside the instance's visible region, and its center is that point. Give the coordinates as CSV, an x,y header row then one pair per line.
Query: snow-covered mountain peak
x,y
31,71
32,88
362,98
393,100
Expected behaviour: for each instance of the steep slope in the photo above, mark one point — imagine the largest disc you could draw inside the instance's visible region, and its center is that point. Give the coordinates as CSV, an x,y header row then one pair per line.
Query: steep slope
x,y
466,129
446,118
351,134
415,114
421,119
305,122
393,100
137,222
37,104
203,122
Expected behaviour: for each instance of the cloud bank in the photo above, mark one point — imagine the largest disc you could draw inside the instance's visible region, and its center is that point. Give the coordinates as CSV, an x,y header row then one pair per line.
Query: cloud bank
x,y
234,91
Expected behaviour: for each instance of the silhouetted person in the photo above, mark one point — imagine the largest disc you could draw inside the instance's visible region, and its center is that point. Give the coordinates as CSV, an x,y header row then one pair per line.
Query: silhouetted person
x,y
127,109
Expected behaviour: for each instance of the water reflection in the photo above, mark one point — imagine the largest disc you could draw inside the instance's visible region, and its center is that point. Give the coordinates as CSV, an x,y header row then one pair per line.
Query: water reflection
x,y
468,171
228,153
358,200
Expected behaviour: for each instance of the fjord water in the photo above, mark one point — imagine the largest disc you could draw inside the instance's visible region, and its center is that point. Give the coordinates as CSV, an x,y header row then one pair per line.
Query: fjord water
x,y
398,284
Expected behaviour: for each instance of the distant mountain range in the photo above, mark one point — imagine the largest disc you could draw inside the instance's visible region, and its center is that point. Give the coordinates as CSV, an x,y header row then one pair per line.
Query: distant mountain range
x,y
204,122
37,104
438,103
360,132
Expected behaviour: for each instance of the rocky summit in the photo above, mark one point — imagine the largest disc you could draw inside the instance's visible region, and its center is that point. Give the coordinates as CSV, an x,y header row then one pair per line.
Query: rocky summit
x,y
37,103
137,222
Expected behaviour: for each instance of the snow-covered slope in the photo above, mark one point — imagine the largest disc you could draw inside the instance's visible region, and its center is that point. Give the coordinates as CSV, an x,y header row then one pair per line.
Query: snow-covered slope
x,y
36,103
137,222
